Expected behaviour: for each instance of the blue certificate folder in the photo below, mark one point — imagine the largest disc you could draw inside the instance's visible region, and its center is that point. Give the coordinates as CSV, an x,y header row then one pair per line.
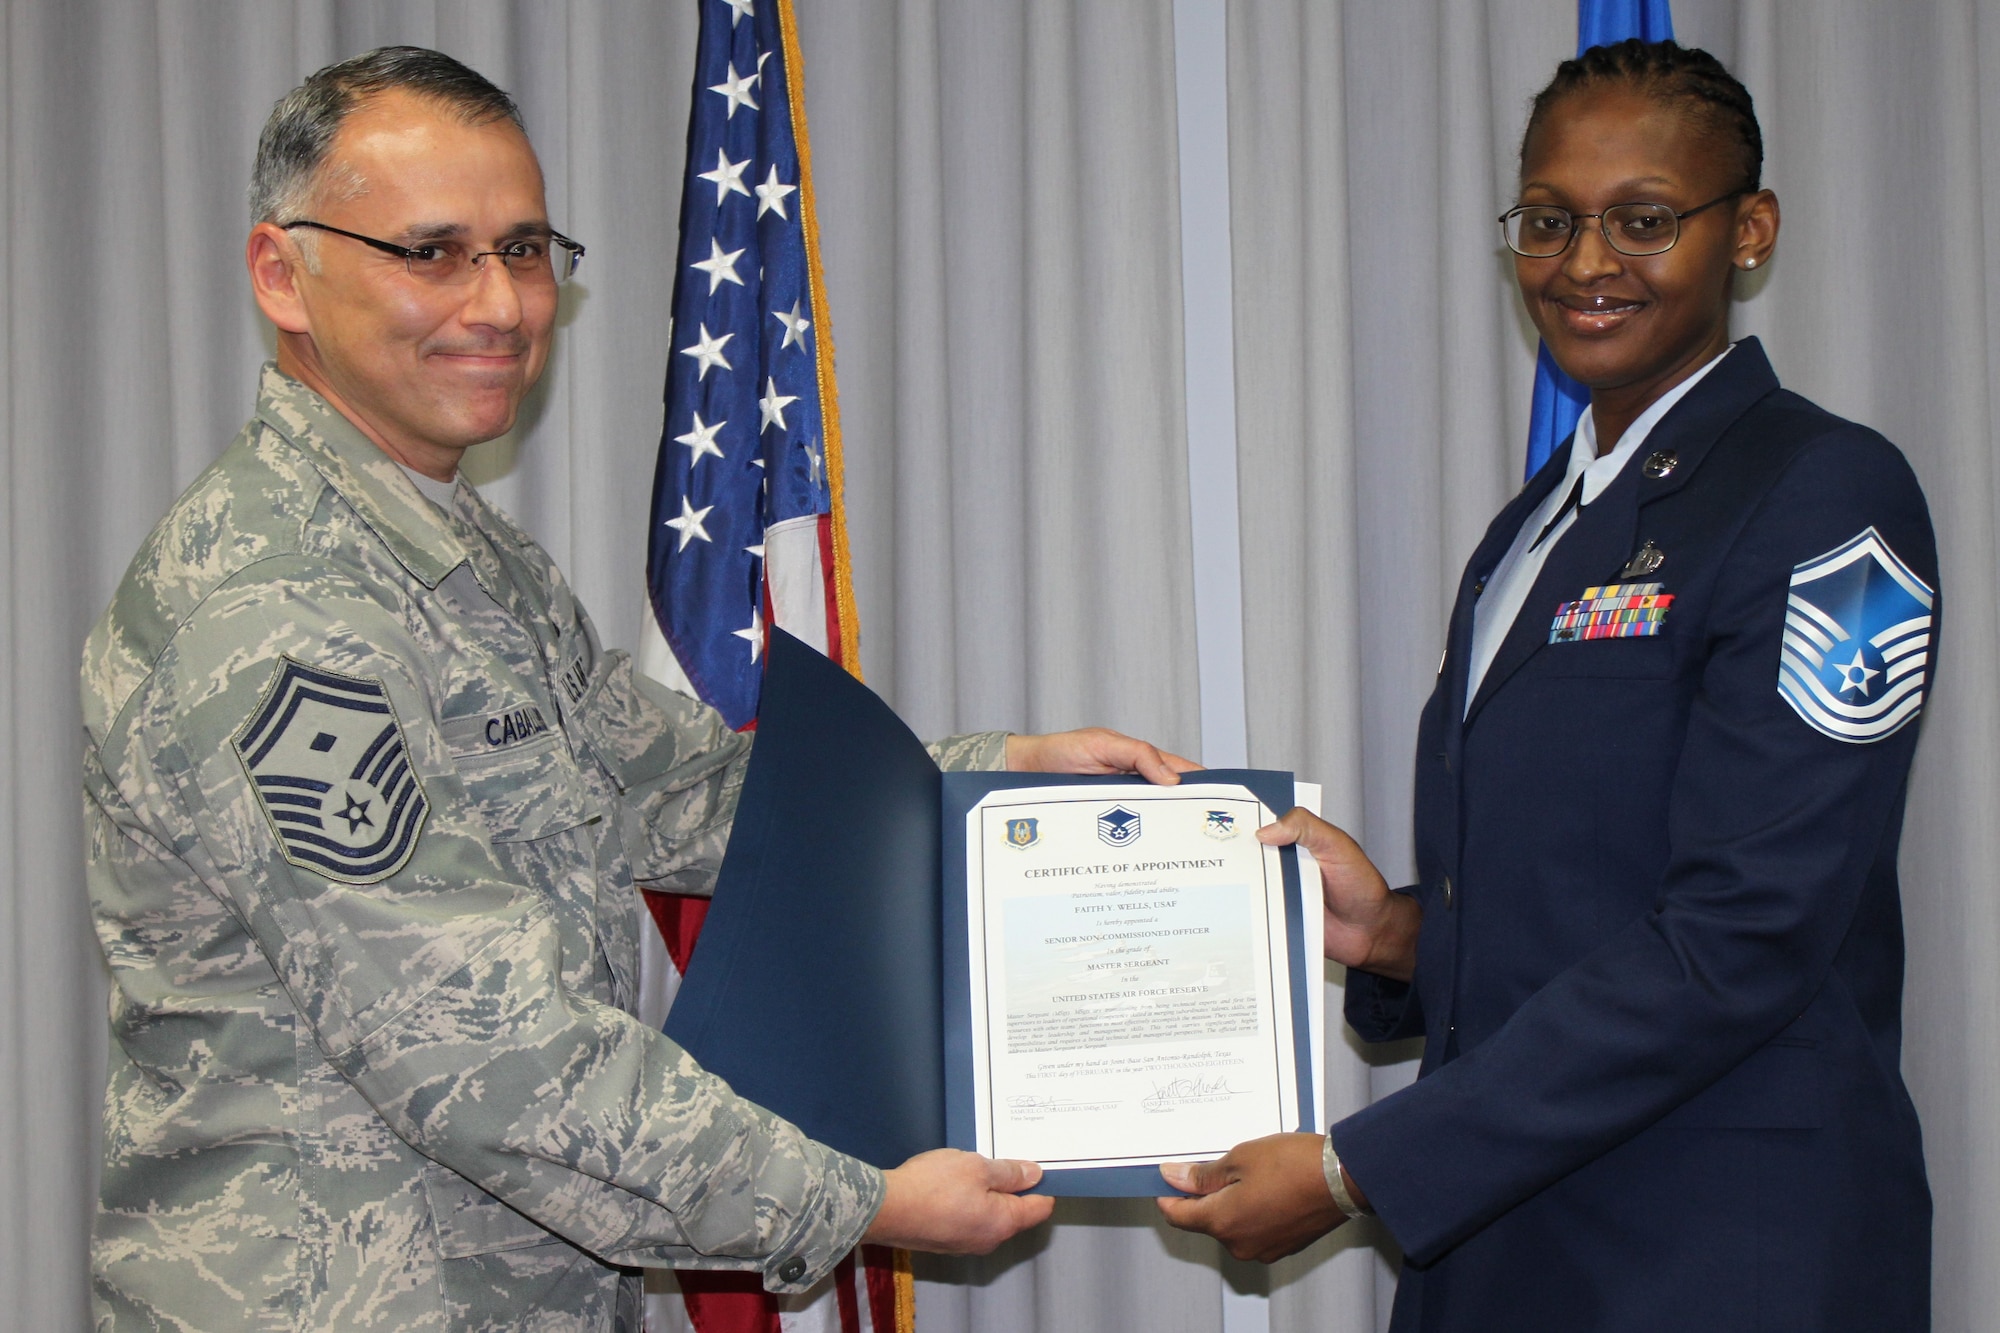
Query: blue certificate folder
x,y
831,981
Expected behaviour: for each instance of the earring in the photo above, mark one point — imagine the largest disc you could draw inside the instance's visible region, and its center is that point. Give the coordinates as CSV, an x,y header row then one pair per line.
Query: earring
x,y
1750,263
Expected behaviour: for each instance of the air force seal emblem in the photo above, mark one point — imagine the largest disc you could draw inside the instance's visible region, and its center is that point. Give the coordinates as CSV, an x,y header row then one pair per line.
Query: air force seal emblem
x,y
1219,824
1857,641
1023,833
1118,826
333,774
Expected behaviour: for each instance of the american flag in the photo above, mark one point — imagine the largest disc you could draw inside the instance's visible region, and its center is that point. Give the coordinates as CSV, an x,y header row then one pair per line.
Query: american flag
x,y
746,528
1559,400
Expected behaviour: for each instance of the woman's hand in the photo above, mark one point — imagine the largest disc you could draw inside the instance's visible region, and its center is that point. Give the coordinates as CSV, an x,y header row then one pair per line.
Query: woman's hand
x,y
1367,926
1264,1200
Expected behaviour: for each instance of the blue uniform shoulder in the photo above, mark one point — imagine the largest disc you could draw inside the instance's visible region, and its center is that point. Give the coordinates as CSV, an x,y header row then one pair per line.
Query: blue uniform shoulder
x,y
1786,459
1828,461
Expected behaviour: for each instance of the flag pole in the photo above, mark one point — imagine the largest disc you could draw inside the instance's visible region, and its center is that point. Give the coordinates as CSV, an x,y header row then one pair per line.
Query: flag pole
x,y
846,648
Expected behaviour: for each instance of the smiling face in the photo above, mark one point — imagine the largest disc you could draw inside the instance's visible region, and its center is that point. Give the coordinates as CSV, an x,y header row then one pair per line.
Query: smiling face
x,y
1631,327
423,370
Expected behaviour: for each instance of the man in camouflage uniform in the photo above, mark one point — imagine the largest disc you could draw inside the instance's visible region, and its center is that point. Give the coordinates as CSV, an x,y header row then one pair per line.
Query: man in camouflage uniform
x,y
366,802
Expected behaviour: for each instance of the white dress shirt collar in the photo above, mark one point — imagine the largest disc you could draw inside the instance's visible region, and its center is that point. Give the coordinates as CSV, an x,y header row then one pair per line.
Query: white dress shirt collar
x,y
1508,586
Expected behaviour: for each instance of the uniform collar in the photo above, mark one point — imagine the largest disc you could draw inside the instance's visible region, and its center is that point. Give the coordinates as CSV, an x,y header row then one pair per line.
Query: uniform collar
x,y
1602,537
1598,473
372,483
1682,439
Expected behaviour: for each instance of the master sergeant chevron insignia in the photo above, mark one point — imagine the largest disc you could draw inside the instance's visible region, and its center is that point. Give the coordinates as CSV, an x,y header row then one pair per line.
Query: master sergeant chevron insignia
x,y
1857,641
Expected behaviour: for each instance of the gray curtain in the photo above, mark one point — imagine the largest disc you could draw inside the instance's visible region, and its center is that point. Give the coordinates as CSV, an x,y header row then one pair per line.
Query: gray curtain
x,y
998,193
998,206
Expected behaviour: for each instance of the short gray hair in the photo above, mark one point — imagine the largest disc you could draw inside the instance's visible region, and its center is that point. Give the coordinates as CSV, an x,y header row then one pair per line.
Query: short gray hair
x,y
291,152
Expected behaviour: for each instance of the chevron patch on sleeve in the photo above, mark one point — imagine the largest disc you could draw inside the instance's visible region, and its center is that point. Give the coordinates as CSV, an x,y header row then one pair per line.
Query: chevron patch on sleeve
x,y
1857,641
333,774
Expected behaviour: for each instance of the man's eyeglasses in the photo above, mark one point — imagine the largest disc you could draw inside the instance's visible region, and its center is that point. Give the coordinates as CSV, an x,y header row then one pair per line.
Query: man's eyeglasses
x,y
1543,231
532,259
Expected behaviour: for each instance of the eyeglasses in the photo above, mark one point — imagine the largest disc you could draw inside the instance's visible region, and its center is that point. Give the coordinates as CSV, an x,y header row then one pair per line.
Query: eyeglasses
x,y
1543,231
532,259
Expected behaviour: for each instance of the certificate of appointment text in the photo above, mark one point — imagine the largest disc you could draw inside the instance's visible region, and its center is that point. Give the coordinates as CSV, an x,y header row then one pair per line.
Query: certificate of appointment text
x,y
1130,989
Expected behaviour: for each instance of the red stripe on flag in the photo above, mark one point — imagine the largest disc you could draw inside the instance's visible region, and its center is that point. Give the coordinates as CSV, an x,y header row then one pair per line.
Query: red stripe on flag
x,y
829,582
879,1264
844,1298
728,1302
679,917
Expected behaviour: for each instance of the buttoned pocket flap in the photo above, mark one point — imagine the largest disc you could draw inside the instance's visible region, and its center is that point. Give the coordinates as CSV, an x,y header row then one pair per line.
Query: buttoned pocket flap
x,y
526,792
1644,658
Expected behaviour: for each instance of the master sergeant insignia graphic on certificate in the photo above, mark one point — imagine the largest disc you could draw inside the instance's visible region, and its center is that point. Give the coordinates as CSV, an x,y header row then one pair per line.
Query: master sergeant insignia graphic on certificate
x,y
1118,827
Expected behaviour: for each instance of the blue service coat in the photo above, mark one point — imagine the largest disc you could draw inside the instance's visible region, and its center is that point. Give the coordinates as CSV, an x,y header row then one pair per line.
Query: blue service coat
x,y
1660,973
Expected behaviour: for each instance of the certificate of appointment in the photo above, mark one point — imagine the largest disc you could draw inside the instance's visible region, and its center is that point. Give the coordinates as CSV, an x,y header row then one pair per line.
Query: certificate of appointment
x,y
1148,976
1130,974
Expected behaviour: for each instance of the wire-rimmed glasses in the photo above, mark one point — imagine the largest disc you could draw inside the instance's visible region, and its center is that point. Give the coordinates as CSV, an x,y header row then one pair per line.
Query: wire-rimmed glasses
x,y
1543,231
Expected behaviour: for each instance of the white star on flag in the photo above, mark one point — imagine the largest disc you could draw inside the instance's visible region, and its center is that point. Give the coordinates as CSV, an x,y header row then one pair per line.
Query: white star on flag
x,y
708,353
688,525
814,455
728,176
738,90
795,326
771,195
773,405
755,634
701,439
744,9
720,267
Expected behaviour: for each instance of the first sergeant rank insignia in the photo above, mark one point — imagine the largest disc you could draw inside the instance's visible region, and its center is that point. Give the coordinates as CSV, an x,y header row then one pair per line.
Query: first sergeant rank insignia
x,y
333,774
1857,641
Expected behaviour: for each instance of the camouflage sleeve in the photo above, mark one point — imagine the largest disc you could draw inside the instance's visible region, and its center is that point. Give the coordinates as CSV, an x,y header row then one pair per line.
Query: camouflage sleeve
x,y
679,771
977,752
440,967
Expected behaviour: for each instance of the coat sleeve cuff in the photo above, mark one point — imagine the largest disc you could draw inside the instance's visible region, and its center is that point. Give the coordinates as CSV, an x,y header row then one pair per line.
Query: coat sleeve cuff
x,y
976,752
851,1194
1379,1009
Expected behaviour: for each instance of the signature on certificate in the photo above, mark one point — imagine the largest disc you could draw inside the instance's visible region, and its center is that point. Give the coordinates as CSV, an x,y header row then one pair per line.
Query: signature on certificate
x,y
1184,1091
1032,1106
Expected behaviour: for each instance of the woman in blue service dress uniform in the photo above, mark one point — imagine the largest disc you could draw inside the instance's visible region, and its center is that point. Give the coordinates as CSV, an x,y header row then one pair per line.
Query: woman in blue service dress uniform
x,y
1655,949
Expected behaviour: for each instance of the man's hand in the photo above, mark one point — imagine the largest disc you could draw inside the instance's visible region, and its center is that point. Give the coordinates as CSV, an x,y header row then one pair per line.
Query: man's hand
x,y
1263,1200
1094,750
953,1202
1367,926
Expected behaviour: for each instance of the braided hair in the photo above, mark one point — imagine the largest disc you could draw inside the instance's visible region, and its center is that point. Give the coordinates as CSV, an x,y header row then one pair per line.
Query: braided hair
x,y
1687,77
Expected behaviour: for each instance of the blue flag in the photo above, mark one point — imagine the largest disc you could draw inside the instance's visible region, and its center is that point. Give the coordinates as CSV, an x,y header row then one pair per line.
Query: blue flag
x,y
1560,400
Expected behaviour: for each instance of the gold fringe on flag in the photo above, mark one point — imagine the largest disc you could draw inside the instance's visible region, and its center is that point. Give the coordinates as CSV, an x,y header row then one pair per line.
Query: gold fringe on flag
x,y
829,395
906,1294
